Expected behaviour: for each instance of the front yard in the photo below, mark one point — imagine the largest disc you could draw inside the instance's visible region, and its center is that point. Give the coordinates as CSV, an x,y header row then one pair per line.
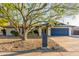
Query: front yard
x,y
10,47
18,44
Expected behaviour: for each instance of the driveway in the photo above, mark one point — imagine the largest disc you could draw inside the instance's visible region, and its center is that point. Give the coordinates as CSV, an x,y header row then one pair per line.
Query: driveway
x,y
68,43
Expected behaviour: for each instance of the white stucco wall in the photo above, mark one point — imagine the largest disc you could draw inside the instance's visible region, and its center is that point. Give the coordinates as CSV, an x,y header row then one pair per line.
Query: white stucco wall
x,y
8,30
40,32
70,31
1,32
49,31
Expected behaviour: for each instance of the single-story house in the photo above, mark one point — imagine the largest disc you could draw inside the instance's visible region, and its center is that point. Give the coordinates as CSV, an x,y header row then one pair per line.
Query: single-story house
x,y
61,30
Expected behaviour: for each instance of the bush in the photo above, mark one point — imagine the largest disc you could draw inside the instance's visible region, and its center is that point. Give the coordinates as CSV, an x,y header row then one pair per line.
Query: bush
x,y
14,33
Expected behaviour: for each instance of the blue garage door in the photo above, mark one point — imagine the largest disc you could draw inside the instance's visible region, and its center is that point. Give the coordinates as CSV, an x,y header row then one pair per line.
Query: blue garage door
x,y
59,31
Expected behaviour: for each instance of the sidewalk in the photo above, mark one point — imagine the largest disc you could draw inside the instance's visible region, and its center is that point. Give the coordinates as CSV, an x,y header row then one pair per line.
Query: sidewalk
x,y
41,54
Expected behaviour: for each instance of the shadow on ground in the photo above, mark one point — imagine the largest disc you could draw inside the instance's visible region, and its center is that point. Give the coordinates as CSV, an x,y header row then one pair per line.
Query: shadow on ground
x,y
35,50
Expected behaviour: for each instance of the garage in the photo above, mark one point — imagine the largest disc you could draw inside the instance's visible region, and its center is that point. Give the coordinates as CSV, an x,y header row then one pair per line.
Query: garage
x,y
59,31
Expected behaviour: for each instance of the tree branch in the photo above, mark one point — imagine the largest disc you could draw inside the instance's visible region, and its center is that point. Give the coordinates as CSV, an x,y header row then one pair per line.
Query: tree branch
x,y
37,9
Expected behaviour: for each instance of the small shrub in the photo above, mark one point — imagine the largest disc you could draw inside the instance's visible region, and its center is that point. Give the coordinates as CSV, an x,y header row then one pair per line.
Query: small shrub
x,y
14,33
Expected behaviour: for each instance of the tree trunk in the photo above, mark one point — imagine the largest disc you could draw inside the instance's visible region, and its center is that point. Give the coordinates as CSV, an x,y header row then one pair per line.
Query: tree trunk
x,y
24,34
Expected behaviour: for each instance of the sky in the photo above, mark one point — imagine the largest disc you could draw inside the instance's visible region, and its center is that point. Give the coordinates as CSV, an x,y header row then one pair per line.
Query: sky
x,y
70,20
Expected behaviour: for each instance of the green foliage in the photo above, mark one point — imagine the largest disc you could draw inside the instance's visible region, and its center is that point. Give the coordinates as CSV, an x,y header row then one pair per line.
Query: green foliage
x,y
60,10
8,5
4,22
14,33
53,22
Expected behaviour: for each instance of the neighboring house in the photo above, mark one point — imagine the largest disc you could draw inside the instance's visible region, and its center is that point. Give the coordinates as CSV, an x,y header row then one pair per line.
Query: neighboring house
x,y
75,30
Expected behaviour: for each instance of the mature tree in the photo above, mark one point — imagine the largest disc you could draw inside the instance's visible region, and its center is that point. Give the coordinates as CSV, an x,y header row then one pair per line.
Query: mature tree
x,y
4,22
31,14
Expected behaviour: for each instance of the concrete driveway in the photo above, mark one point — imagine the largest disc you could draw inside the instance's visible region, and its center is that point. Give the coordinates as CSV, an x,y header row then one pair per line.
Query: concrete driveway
x,y
68,43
